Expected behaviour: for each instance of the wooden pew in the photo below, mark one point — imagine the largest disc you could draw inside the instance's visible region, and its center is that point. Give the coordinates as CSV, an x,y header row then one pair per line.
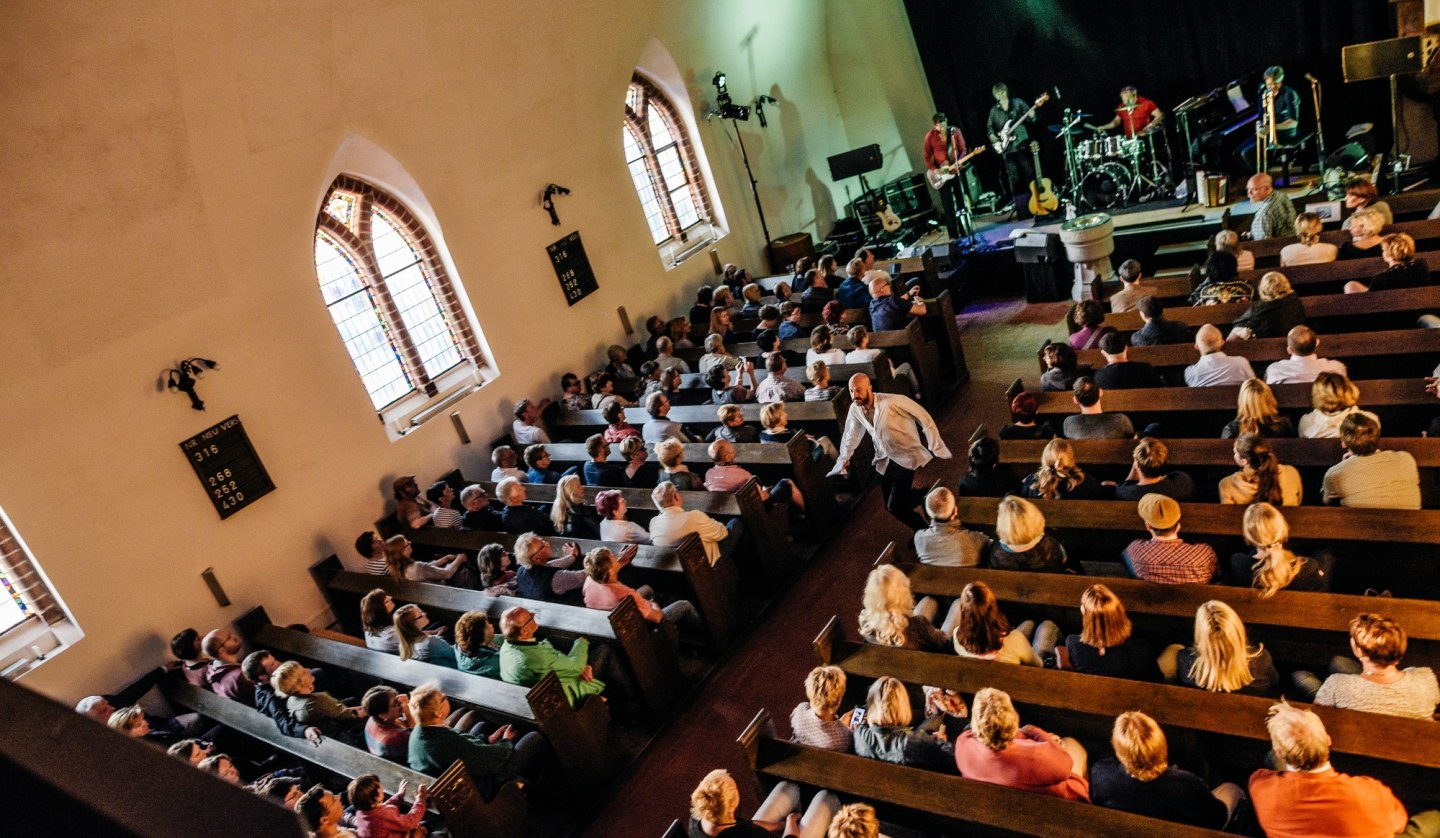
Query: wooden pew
x,y
694,390
1349,347
938,803
577,734
714,589
648,650
789,460
821,418
1330,277
1267,251
1394,309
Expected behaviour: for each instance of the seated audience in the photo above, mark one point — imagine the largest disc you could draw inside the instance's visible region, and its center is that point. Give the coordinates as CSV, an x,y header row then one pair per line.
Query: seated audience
x,y
603,393
603,591
516,517
946,542
717,354
1062,367
725,391
1164,557
1272,568
820,389
652,380
715,802
1121,373
1105,645
1021,542
497,575
659,427
1402,269
411,509
475,650
527,429
1158,329
416,643
1309,250
1059,478
1023,409
321,812
1092,422
1215,368
822,349
1378,684
1222,660
260,667
752,294
524,660
732,426
537,458
1304,795
619,365
855,820
665,356
987,478
1229,242
490,762
888,615
401,565
616,430
572,517
777,387
1366,225
982,632
223,675
1302,367
815,721
996,749
1150,475
1089,319
478,514
574,398
1131,287
640,472
726,476
596,471
853,292
1334,397
861,353
377,816
614,528
1367,476
296,685
1261,478
371,548
1277,310
1360,193
790,327
506,462
671,455
442,497
773,421
679,332
887,733
674,522
542,576
700,311
185,646
1140,779
1257,413
130,721
889,313
721,324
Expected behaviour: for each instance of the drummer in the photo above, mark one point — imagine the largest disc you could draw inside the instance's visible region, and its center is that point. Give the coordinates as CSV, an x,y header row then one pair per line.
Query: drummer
x,y
1136,114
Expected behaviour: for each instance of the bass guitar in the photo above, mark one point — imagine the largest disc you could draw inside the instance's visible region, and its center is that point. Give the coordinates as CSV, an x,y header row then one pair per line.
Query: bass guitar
x,y
940,176
1006,137
1042,192
884,215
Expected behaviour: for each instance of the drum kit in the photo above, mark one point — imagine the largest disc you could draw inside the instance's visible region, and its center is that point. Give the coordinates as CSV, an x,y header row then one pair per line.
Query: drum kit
x,y
1112,171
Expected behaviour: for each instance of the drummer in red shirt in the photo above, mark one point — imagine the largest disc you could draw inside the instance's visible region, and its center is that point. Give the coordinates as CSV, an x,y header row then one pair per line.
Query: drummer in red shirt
x,y
1136,114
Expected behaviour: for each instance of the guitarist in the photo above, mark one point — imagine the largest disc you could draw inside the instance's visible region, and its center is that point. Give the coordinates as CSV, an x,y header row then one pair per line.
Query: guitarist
x,y
1018,169
943,146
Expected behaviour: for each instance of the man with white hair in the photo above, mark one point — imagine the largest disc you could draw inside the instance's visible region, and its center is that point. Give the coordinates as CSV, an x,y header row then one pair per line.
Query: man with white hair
x,y
526,428
946,542
887,312
1215,368
1303,366
516,517
1274,214
895,424
675,522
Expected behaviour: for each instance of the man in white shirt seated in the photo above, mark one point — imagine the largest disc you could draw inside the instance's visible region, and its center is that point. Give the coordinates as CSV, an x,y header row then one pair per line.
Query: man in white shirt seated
x,y
675,522
1367,476
1215,368
1302,366
665,348
660,426
526,428
506,464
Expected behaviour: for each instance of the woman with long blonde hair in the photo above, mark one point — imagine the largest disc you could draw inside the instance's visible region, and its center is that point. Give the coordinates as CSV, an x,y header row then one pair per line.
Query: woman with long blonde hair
x,y
1271,567
887,733
415,642
1222,659
1257,413
1059,478
572,517
888,616
1105,644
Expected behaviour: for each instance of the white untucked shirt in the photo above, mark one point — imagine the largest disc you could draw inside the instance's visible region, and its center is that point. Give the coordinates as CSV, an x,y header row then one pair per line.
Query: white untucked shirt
x,y
1301,369
895,434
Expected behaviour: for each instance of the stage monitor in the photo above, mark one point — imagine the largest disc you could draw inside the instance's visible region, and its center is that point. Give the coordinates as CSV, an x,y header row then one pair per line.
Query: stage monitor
x,y
1381,59
855,162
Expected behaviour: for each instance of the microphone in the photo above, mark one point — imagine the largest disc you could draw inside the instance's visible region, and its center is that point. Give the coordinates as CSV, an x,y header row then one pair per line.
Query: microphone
x,y
1057,93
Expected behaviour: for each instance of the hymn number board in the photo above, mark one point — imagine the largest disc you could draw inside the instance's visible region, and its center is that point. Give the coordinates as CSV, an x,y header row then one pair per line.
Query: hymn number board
x,y
228,467
572,267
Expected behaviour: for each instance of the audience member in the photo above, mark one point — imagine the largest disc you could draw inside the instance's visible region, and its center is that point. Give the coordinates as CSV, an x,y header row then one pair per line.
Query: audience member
x,y
524,660
822,348
574,395
815,721
888,615
1092,422
185,646
1222,660
1164,557
1021,542
1302,367
732,426
1309,250
889,313
1158,329
820,389
659,427
1215,368
1402,269
416,643
543,576
887,733
377,623
674,522
260,667
640,472
321,813
855,820
946,542
1121,373
861,353
777,387
981,631
1261,478
491,762
603,393
603,590
401,565
506,462
1140,779
619,365
527,428
411,509
616,430
1257,413
1367,476
516,517
1150,475
996,749
475,650
377,816
665,347
479,514
987,478
1377,684
1023,409
614,528
1272,568
725,389
1059,478
1131,290
853,292
671,455
571,515
1366,225
1277,311
1334,397
442,497
296,685
537,457
679,334
715,802
1105,644
1089,319
726,476
224,675
1061,367
1360,193
790,327
371,548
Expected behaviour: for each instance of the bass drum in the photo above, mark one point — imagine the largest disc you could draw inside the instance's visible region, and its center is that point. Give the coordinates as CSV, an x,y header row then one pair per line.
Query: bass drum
x,y
1106,185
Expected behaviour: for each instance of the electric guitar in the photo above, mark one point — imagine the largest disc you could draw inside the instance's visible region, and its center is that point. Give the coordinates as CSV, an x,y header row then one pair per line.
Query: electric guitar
x,y
1042,192
940,176
884,215
1006,138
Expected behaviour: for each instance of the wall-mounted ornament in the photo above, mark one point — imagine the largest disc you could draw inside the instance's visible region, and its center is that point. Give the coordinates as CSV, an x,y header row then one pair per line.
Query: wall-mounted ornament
x,y
182,378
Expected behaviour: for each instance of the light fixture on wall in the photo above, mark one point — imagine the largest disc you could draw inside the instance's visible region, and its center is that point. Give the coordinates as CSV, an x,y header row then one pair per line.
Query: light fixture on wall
x,y
181,379
725,108
548,200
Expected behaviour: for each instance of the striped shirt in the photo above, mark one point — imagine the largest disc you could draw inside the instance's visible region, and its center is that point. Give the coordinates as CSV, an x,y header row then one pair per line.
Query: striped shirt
x,y
807,729
1171,561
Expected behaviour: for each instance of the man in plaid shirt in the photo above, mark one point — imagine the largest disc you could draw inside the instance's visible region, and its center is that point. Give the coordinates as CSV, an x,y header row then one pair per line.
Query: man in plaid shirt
x,y
1163,557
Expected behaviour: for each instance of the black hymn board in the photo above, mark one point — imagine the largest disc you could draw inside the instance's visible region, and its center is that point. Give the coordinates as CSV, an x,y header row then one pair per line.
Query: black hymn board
x,y
228,467
572,267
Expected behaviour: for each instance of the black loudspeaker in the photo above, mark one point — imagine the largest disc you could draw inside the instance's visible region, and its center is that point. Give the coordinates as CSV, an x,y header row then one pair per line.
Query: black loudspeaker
x,y
855,162
941,254
1382,59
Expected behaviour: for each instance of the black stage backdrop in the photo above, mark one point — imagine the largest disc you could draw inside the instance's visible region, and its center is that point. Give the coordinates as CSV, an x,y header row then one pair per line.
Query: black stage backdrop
x,y
1170,50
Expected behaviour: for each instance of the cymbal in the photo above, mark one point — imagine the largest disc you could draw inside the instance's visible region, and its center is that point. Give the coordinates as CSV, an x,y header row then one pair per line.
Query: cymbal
x,y
1061,129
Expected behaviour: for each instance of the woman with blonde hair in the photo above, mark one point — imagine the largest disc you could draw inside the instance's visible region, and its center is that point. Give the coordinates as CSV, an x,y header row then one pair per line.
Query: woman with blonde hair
x,y
983,633
679,332
1272,568
1257,413
1059,478
1261,477
130,721
1273,313
1334,396
715,803
887,733
296,686
1365,227
400,563
888,615
820,389
1141,780
572,517
416,643
821,348
1309,250
1021,542
996,749
1402,269
1105,645
1222,660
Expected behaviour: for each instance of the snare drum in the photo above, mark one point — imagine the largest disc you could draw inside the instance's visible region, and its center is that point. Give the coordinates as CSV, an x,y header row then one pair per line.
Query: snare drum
x,y
1090,151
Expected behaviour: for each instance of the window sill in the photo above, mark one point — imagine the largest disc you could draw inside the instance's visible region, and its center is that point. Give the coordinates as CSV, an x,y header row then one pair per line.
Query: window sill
x,y
26,647
699,238
410,413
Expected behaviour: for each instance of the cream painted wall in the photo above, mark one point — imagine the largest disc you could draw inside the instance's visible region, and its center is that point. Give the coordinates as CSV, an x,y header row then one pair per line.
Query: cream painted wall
x,y
164,162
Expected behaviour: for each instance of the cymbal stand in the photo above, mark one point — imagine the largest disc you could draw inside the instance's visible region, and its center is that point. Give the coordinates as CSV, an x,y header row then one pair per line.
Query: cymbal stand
x,y
1072,165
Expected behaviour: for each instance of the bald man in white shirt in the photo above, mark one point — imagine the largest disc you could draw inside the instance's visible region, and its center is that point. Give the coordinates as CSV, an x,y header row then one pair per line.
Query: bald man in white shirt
x,y
891,420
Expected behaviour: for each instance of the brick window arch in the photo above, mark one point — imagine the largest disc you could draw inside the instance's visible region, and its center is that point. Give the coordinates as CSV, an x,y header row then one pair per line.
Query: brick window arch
x,y
663,165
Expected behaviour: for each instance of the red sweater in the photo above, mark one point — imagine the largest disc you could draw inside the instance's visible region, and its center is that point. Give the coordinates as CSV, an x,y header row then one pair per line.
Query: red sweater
x,y
385,820
1302,804
1033,761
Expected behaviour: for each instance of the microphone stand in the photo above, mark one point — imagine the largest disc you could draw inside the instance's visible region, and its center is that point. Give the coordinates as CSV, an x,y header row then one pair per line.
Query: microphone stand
x,y
1319,126
755,190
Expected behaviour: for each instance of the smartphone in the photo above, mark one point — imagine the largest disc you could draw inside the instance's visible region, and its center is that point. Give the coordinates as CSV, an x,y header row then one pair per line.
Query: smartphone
x,y
857,717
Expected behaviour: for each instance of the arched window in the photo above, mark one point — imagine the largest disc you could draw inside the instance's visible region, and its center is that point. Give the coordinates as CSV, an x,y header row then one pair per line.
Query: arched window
x,y
664,168
396,307
32,617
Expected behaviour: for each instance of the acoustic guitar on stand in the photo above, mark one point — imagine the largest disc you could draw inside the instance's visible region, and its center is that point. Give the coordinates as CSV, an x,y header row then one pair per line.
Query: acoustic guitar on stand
x,y
942,175
1042,191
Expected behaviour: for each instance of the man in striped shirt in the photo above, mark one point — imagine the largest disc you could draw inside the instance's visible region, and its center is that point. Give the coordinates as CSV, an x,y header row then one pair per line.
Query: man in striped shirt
x,y
1163,557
